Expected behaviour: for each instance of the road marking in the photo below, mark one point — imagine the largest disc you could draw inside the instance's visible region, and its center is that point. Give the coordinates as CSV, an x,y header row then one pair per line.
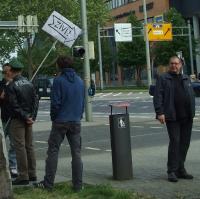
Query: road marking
x,y
130,93
140,92
156,127
37,149
198,130
105,95
96,95
147,134
41,142
94,149
108,150
137,126
117,94
144,107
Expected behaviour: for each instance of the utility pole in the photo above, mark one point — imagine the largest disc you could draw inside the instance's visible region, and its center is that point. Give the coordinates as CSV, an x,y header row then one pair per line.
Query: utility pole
x,y
190,45
100,58
88,105
147,45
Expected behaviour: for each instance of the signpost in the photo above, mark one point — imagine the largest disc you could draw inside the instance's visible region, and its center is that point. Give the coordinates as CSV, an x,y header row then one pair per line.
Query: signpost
x,y
123,32
62,29
159,32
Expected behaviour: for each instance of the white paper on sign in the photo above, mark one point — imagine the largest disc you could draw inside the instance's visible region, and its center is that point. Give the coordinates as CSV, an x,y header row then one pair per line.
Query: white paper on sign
x,y
62,29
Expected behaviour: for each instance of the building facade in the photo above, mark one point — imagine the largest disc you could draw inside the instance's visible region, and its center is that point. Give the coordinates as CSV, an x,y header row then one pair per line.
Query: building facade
x,y
190,9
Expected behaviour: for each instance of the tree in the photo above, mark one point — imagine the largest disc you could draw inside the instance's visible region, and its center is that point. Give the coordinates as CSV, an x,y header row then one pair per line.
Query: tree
x,y
33,54
162,51
132,54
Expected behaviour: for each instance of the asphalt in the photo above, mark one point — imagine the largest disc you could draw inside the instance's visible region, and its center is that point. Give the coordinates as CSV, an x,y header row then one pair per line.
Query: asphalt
x,y
149,167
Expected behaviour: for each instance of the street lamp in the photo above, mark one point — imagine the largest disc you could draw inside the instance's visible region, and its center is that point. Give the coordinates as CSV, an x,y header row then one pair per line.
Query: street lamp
x,y
147,44
88,105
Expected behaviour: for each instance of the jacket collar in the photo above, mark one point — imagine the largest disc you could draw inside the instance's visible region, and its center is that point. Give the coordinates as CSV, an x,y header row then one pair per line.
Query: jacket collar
x,y
184,77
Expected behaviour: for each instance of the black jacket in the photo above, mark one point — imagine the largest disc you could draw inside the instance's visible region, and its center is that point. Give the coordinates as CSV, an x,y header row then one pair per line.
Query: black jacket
x,y
22,99
164,96
5,108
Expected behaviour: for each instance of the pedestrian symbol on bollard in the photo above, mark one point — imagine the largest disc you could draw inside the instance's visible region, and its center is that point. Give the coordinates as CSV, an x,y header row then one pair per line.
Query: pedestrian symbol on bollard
x,y
121,122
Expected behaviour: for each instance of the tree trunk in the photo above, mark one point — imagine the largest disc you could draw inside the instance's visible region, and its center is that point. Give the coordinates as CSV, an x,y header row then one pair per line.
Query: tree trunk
x,y
5,179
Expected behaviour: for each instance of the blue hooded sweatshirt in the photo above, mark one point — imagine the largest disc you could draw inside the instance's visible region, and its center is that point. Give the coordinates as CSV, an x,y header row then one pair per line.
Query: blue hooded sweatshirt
x,y
67,97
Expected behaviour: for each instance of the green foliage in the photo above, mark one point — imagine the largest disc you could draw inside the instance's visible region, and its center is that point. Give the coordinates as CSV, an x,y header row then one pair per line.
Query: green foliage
x,y
162,51
64,191
133,53
97,13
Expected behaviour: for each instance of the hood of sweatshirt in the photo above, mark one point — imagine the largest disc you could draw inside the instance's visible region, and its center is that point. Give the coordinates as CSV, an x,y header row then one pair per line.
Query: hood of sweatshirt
x,y
69,74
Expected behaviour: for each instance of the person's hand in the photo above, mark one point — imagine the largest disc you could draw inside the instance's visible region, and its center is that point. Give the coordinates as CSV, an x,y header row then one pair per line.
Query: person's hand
x,y
161,118
29,121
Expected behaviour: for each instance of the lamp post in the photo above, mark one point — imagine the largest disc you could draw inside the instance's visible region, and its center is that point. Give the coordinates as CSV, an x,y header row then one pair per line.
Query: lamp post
x,y
88,105
147,45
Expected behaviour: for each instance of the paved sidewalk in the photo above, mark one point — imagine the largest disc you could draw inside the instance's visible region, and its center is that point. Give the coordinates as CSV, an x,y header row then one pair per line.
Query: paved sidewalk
x,y
149,170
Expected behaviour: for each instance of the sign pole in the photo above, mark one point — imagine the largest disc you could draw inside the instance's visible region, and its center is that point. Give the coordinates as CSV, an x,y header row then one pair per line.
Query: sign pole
x,y
100,59
190,45
147,45
88,105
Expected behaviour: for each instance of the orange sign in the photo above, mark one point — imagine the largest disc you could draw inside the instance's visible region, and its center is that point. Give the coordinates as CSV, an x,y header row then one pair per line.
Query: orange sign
x,y
159,32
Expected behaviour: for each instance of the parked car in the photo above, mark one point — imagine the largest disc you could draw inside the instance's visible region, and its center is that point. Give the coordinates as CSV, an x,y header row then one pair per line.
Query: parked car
x,y
195,86
43,86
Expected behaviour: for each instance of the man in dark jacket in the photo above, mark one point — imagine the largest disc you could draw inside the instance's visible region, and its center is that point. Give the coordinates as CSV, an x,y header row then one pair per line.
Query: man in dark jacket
x,y
174,105
23,103
5,115
67,105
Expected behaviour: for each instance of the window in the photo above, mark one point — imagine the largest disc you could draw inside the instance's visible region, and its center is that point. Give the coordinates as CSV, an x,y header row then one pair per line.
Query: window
x,y
149,6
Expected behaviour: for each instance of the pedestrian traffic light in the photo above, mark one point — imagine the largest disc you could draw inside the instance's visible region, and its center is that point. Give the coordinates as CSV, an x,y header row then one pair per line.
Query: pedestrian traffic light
x,y
20,23
78,51
29,23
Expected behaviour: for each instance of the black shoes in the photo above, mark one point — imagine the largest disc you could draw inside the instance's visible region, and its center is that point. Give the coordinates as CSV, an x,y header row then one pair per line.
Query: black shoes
x,y
184,175
41,185
13,173
172,177
20,182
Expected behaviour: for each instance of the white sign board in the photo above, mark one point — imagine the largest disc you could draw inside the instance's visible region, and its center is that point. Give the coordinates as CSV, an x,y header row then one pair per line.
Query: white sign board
x,y
123,32
62,29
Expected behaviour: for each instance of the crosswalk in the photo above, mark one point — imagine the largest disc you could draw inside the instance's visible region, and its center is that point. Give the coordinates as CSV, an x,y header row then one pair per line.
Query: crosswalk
x,y
118,94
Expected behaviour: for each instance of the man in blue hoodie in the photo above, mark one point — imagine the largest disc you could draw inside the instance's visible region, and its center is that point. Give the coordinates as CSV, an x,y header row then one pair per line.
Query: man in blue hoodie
x,y
67,106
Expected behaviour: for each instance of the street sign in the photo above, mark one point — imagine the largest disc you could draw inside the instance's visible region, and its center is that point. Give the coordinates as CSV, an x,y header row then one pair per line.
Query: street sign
x,y
8,24
62,29
158,19
159,32
123,32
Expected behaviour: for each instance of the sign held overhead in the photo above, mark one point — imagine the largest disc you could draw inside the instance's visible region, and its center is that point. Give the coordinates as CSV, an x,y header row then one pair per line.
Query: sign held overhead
x,y
62,29
123,32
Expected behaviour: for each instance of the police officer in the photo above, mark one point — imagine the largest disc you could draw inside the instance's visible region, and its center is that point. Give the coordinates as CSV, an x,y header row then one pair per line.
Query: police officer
x,y
23,103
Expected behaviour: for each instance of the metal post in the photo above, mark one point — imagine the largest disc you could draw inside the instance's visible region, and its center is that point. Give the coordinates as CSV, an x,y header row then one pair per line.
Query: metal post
x,y
196,37
190,46
147,44
100,58
53,46
88,105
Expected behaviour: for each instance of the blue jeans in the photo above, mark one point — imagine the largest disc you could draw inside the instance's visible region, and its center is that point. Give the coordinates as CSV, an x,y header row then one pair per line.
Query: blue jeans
x,y
11,151
72,131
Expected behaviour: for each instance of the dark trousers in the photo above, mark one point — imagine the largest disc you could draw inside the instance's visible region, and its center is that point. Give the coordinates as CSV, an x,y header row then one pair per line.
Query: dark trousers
x,y
179,141
23,142
72,131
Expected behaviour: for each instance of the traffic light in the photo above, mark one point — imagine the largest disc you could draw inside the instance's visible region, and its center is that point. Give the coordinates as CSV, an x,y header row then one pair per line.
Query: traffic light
x,y
21,23
78,51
